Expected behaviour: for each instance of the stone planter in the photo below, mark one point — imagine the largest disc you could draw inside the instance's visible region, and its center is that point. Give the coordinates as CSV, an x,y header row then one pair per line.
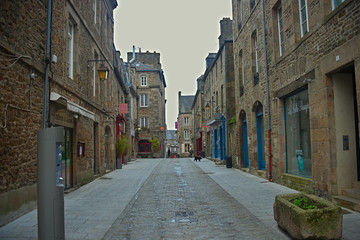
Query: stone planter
x,y
322,223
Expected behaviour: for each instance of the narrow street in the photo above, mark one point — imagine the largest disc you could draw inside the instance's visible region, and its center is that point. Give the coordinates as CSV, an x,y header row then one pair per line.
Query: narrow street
x,y
171,199
180,201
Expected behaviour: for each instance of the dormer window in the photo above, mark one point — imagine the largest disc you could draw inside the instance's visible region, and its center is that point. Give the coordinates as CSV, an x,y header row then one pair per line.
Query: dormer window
x,y
143,81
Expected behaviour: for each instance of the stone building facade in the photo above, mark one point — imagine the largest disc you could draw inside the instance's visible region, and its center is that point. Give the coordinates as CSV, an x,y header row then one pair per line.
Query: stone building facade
x,y
149,81
79,101
218,96
185,125
297,100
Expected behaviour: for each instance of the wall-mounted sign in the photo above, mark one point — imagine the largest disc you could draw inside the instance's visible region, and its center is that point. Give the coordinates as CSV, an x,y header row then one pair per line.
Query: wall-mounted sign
x,y
64,118
218,116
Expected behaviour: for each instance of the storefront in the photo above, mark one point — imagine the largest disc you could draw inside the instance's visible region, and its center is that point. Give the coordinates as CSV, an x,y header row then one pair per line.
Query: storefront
x,y
217,139
297,128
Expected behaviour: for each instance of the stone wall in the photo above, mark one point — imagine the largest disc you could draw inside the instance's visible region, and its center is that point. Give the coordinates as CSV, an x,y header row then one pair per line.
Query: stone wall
x,y
308,62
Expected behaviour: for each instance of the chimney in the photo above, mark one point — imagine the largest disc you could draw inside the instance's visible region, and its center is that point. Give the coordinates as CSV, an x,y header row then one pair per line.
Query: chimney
x,y
225,30
179,100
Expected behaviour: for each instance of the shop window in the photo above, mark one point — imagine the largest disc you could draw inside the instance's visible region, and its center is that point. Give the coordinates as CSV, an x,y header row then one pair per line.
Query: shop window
x,y
144,146
297,126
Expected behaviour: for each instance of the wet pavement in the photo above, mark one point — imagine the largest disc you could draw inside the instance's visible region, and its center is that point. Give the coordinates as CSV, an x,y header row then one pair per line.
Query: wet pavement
x,y
171,199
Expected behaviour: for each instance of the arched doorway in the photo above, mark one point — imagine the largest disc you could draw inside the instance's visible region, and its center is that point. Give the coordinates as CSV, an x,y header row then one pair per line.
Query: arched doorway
x,y
258,110
244,138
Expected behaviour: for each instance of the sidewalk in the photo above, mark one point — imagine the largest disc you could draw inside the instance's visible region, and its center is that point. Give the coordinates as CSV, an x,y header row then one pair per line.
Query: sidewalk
x,y
258,195
92,209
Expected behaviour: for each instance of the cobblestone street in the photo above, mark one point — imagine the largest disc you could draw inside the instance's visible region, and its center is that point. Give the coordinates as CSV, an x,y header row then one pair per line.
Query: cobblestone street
x,y
180,201
171,199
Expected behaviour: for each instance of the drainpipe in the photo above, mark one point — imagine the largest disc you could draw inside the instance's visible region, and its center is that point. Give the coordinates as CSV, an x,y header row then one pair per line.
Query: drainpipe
x,y
267,91
47,61
226,116
129,86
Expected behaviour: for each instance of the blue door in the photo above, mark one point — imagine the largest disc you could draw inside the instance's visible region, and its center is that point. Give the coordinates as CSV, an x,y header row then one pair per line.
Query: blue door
x,y
215,146
221,145
246,156
260,140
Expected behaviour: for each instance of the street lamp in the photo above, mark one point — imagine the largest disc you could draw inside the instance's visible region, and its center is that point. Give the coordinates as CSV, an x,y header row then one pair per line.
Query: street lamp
x,y
103,71
207,106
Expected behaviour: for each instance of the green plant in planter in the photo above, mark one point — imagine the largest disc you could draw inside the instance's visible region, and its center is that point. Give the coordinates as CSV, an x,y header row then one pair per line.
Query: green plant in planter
x,y
305,203
122,145
155,144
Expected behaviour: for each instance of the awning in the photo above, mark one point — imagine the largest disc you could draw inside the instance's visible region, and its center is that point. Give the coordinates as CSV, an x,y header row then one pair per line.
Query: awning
x,y
213,123
73,107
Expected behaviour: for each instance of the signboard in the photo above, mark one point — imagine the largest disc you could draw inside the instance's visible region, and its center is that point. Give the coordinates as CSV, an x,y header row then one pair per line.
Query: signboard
x,y
218,116
123,108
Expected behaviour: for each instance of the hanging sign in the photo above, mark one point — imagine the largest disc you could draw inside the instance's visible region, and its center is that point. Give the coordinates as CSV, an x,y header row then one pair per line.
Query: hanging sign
x,y
123,108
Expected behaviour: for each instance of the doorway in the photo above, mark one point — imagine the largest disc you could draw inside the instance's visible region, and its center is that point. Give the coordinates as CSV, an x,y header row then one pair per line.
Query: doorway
x,y
245,144
346,129
67,161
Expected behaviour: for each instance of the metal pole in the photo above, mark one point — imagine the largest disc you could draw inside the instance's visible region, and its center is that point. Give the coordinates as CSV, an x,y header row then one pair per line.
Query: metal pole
x,y
47,61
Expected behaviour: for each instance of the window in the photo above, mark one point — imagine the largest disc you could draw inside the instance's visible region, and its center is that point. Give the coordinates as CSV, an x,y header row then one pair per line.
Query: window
x,y
252,4
187,134
95,10
144,146
297,126
255,57
143,81
304,24
144,122
186,121
241,73
280,30
144,100
239,13
336,3
70,50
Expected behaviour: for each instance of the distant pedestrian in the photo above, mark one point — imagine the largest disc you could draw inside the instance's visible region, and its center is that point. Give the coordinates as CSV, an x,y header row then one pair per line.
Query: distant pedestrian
x,y
168,152
191,152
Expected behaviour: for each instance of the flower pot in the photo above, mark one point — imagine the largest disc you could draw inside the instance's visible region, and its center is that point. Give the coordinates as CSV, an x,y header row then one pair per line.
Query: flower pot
x,y
322,223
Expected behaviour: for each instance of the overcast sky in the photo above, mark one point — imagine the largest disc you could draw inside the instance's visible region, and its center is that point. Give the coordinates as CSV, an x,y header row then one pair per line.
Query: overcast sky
x,y
183,32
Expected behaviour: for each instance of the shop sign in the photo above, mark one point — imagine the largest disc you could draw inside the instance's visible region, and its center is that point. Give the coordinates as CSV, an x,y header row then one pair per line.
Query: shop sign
x,y
64,118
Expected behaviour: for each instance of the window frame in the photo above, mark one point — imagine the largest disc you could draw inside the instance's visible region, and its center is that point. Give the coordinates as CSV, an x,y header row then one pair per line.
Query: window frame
x,y
70,50
186,121
186,134
280,30
144,122
144,100
302,21
143,79
334,5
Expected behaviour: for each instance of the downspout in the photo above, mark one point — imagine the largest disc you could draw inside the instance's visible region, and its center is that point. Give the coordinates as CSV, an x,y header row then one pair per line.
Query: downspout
x,y
267,91
47,61
226,116
129,86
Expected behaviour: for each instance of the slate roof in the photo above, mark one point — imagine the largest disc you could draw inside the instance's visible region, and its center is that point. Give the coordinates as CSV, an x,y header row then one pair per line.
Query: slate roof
x,y
185,104
171,134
